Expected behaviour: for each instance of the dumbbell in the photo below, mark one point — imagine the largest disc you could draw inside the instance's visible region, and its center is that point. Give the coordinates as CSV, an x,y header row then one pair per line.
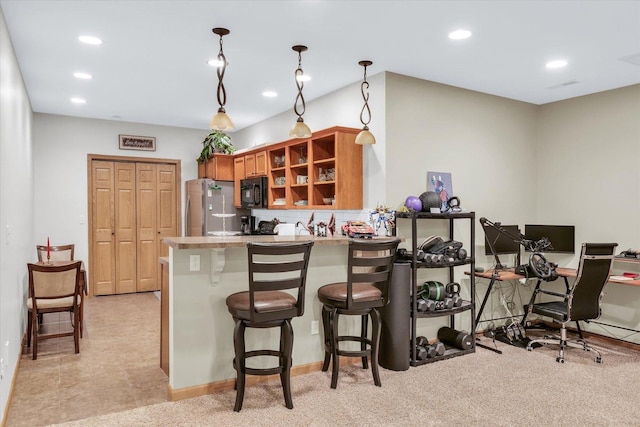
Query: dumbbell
x,y
458,339
423,305
445,304
438,348
424,350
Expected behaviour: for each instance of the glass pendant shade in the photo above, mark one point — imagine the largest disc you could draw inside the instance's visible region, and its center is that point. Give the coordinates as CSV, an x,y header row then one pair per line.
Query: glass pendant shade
x,y
220,121
365,137
300,130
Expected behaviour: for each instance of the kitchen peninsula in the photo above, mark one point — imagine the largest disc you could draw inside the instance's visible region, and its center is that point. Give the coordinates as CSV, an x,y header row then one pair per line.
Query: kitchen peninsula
x,y
202,272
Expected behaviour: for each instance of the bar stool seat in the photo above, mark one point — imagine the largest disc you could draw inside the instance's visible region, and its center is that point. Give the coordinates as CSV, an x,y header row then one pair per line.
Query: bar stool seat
x,y
273,268
370,265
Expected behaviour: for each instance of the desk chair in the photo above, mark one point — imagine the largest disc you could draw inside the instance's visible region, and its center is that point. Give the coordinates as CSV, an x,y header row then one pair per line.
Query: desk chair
x,y
582,302
370,264
53,289
274,269
64,253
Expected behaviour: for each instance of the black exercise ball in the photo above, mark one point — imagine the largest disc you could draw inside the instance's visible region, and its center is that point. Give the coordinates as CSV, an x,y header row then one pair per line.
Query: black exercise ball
x,y
430,200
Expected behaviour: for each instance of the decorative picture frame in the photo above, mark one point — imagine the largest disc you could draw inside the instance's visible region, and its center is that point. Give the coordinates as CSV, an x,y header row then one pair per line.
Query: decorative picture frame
x,y
133,142
442,184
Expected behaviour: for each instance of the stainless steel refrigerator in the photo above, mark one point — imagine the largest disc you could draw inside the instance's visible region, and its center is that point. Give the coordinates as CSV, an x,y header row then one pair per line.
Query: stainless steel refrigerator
x,y
209,209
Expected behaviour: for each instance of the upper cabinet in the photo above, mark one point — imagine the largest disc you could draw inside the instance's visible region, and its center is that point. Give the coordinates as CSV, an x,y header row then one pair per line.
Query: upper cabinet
x,y
218,167
322,172
255,164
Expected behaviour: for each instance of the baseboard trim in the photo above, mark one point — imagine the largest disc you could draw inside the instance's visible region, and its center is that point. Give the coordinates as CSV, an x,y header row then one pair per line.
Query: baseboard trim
x,y
224,385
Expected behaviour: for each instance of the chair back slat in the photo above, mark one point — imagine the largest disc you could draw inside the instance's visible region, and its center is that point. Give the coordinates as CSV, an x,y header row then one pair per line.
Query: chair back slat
x,y
596,261
278,267
57,253
370,261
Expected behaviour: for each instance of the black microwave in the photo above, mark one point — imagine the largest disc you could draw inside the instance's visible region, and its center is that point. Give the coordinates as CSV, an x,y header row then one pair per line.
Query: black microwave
x,y
253,193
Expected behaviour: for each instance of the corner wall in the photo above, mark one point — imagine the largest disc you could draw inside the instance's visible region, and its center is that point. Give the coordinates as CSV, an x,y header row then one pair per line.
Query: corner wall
x,y
588,175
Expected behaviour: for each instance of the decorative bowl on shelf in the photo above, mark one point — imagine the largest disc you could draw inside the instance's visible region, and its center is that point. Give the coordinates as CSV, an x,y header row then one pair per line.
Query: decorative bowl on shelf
x,y
327,200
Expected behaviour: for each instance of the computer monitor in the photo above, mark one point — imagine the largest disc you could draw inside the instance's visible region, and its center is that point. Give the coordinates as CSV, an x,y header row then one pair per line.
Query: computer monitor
x,y
502,244
562,237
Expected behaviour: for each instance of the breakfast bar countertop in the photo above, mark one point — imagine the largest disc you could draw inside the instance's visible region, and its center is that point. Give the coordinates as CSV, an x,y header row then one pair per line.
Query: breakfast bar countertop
x,y
201,242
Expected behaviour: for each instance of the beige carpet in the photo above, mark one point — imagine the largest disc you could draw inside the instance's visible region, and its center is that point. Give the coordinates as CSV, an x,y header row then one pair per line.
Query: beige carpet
x,y
517,388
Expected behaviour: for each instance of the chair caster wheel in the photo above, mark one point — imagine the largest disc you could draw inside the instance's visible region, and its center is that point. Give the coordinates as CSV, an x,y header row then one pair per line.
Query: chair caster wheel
x,y
529,349
598,359
560,359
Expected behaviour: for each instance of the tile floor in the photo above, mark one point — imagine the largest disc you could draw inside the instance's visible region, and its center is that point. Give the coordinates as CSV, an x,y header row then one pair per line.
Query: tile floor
x,y
118,367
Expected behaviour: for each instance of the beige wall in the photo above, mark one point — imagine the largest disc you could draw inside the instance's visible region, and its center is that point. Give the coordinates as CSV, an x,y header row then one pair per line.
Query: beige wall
x,y
61,145
588,175
16,208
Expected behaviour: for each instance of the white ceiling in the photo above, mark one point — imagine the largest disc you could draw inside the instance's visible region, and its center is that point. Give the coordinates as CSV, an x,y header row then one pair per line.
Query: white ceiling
x,y
152,67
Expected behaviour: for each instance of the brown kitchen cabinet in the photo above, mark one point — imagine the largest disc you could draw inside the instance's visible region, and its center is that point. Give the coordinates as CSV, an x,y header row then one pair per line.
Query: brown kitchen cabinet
x,y
322,172
238,174
219,167
255,164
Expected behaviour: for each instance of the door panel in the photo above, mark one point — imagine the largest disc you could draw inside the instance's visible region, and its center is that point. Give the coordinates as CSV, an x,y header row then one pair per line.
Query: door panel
x,y
167,217
125,225
134,206
102,271
148,261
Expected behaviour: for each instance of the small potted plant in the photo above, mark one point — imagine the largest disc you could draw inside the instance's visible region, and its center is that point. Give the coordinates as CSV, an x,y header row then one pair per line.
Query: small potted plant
x,y
215,142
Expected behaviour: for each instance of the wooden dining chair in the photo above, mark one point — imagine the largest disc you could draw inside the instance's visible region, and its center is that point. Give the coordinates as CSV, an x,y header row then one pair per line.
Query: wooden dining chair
x,y
65,253
57,253
53,289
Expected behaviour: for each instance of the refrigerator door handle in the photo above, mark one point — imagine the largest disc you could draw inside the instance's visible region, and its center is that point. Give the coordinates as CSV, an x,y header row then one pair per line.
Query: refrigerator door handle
x,y
187,214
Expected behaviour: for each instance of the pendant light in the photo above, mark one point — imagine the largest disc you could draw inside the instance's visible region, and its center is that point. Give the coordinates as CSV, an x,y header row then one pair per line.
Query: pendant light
x,y
220,121
365,137
299,129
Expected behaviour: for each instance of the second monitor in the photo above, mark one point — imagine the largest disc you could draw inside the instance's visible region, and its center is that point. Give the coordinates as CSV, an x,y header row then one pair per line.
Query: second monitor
x,y
502,244
562,237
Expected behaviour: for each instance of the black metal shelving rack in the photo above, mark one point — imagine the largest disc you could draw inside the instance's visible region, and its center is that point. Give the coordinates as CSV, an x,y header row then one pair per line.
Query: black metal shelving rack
x,y
416,264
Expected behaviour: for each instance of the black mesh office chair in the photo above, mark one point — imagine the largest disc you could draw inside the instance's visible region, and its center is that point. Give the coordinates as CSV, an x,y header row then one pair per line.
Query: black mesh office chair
x,y
582,302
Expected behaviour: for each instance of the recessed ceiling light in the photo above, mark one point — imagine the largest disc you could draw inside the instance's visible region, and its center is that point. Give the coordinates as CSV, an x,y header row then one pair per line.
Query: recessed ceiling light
x,y
459,34
269,94
556,64
78,101
84,76
90,40
303,78
215,63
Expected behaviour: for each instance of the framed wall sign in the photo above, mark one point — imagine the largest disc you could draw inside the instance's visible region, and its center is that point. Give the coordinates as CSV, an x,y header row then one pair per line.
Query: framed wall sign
x,y
132,142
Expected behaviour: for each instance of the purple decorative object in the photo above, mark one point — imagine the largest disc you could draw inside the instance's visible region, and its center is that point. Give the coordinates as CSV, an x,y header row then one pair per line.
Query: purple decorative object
x,y
413,203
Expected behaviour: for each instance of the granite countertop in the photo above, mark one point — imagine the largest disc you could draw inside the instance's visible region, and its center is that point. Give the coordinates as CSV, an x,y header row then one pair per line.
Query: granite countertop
x,y
196,242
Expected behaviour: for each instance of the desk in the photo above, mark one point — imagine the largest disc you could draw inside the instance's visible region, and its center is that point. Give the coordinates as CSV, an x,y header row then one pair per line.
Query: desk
x,y
504,275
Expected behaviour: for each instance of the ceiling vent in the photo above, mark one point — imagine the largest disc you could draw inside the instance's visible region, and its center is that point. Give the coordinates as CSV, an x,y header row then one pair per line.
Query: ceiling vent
x,y
569,83
632,59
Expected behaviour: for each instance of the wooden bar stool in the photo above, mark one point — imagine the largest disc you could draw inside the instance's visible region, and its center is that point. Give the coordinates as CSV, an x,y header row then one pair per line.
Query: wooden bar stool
x,y
274,268
369,271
